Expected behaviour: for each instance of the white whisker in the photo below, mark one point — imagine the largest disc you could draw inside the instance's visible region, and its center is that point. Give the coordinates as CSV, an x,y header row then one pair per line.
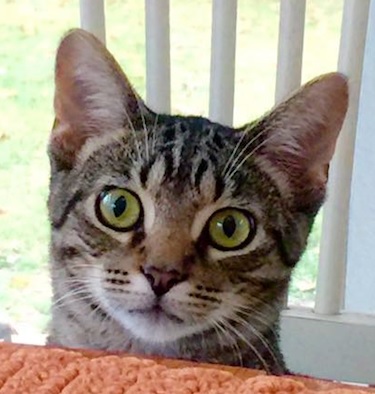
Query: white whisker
x,y
243,151
153,133
134,135
229,162
261,338
62,300
248,343
140,107
252,312
233,343
229,177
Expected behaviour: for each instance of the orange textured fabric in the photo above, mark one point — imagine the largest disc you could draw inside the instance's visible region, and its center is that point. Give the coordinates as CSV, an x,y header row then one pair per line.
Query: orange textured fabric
x,y
41,370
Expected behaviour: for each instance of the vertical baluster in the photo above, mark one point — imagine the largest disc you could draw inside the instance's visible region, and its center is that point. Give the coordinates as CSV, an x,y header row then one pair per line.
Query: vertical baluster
x,y
223,51
158,69
93,17
290,50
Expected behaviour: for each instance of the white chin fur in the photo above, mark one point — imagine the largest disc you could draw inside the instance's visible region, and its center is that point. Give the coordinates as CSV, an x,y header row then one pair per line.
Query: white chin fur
x,y
154,329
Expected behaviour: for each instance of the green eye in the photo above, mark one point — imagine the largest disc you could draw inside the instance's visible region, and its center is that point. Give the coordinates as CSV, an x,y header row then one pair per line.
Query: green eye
x,y
119,209
230,229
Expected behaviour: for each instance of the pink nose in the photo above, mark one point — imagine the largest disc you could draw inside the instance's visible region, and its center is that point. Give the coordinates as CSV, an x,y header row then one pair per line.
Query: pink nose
x,y
162,281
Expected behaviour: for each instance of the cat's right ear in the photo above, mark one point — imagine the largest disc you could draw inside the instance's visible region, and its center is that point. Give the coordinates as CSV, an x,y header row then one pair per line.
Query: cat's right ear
x,y
296,140
92,96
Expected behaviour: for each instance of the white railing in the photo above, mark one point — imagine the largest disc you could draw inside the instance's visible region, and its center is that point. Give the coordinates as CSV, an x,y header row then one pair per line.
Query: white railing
x,y
327,341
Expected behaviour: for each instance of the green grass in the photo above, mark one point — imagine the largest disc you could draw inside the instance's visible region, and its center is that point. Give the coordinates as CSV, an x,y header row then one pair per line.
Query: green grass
x,y
30,31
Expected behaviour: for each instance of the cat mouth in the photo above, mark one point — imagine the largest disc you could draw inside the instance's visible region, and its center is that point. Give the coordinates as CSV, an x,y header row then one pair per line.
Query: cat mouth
x,y
156,313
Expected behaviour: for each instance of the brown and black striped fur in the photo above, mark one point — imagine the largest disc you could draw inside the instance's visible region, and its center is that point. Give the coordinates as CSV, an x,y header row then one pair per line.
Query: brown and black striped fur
x,y
226,306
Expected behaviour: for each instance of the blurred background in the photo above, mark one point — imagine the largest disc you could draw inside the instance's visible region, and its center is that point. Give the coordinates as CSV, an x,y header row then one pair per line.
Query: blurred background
x,y
29,34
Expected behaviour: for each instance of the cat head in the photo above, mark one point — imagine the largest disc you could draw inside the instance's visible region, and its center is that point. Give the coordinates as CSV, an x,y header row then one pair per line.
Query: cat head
x,y
174,225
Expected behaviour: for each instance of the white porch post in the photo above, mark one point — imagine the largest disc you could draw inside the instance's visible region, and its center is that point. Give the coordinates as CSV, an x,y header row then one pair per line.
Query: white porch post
x,y
333,244
360,280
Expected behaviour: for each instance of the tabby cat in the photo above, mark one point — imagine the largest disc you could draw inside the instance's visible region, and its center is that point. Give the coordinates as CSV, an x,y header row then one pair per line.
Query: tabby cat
x,y
175,235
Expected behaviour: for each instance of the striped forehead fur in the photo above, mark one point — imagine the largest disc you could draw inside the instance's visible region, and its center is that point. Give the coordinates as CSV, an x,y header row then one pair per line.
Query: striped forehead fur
x,y
190,160
184,155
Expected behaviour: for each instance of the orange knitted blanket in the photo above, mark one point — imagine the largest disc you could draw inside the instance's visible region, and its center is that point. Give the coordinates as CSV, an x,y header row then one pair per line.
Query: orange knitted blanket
x,y
39,370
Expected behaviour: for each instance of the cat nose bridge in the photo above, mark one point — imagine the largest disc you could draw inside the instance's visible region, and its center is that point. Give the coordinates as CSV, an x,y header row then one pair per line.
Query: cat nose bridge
x,y
161,280
169,248
169,256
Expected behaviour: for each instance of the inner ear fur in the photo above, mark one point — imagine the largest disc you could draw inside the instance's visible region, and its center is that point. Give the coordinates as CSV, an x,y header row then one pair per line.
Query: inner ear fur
x,y
300,134
92,95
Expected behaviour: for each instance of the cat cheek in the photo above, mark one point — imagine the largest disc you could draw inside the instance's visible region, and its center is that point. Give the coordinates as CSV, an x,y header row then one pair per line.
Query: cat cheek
x,y
134,294
189,303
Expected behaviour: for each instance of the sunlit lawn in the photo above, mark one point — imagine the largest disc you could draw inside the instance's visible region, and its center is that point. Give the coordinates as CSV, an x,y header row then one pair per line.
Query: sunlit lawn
x,y
29,33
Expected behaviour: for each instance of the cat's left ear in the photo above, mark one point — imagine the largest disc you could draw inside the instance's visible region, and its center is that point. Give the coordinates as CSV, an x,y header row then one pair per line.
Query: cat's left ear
x,y
92,96
297,138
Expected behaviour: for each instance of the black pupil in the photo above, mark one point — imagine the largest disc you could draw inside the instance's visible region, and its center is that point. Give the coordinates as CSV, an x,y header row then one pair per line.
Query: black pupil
x,y
229,226
119,206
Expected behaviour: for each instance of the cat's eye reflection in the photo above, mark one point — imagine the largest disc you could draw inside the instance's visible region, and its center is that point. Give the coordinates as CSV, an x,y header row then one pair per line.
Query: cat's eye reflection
x,y
119,209
230,229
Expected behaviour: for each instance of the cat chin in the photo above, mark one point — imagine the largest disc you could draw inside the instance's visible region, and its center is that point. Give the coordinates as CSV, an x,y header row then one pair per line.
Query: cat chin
x,y
153,329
